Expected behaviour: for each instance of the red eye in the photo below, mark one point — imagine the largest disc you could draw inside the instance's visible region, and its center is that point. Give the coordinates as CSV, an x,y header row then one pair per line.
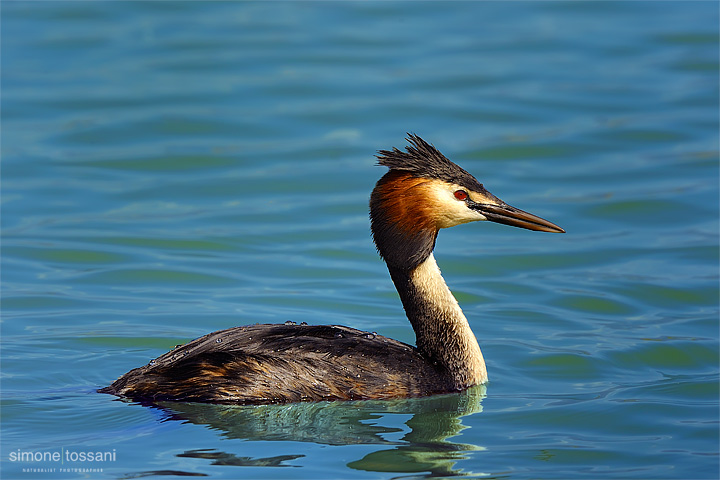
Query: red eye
x,y
461,195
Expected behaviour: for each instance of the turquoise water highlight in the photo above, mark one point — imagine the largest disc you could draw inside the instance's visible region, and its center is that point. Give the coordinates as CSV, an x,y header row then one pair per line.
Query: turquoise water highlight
x,y
174,168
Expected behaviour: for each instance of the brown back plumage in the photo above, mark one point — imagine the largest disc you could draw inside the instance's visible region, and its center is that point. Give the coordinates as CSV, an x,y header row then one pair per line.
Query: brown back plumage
x,y
283,363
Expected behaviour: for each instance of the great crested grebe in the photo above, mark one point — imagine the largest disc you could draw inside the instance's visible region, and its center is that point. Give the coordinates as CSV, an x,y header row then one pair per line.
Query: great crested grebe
x,y
421,193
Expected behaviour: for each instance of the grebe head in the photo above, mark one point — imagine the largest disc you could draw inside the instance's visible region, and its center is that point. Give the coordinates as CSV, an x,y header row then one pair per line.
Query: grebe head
x,y
424,192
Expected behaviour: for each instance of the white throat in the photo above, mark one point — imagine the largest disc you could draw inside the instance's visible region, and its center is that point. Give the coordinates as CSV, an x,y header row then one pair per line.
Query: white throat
x,y
441,328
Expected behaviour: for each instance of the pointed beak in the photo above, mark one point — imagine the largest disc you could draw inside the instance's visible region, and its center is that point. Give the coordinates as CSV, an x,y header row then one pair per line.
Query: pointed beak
x,y
504,213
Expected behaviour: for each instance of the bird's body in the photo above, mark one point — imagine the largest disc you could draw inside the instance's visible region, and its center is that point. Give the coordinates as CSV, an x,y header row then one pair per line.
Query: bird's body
x,y
422,193
285,363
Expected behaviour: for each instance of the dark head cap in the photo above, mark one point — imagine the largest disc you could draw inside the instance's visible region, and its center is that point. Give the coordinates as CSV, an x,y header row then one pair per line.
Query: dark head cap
x,y
422,159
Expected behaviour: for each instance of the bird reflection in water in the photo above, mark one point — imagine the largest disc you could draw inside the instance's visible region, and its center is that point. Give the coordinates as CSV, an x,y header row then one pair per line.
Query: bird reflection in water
x,y
422,444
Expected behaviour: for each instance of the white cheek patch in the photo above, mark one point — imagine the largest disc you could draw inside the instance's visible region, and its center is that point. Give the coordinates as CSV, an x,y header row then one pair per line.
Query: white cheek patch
x,y
448,210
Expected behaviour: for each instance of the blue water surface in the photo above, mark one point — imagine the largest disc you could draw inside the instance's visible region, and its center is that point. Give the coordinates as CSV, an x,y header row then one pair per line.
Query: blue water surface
x,y
174,168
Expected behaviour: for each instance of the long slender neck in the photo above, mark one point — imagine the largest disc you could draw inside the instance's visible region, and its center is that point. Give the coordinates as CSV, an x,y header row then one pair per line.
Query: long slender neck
x,y
442,332
404,229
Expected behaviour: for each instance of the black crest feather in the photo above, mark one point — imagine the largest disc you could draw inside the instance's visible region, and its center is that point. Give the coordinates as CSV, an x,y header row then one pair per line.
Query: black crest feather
x,y
424,160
